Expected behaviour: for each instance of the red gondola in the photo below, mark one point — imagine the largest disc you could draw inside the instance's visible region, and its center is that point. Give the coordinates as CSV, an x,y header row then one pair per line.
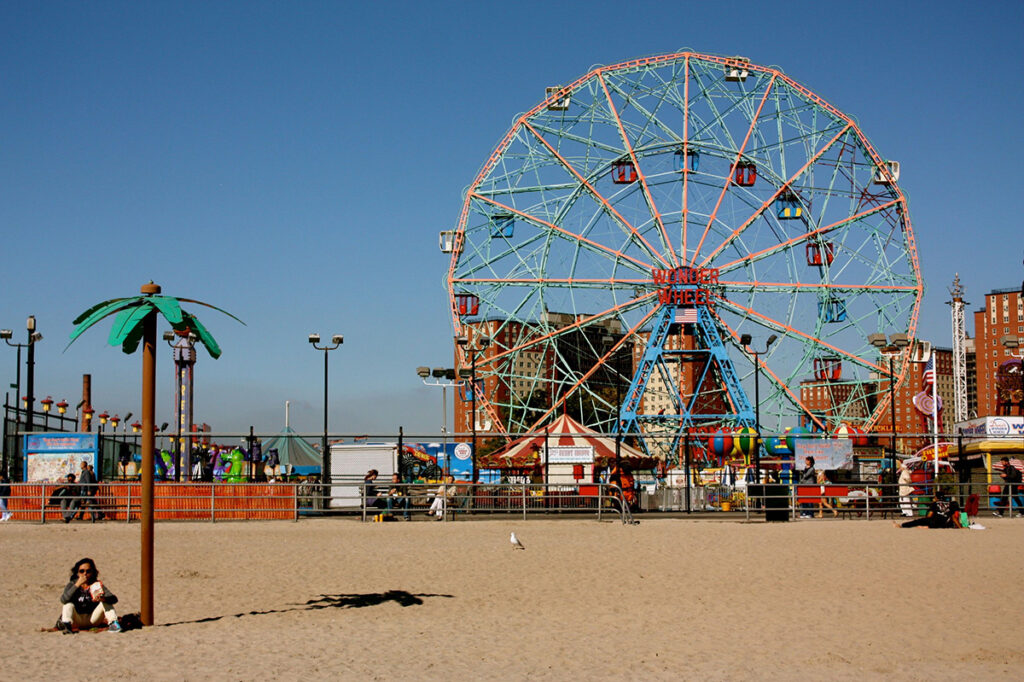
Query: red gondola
x,y
467,304
745,174
623,172
820,253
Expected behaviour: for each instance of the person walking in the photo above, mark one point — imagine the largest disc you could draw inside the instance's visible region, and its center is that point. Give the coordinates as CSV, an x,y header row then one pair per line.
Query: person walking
x,y
1012,499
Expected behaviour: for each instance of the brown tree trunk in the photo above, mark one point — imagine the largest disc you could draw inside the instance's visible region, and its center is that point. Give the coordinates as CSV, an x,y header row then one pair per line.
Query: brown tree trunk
x,y
148,446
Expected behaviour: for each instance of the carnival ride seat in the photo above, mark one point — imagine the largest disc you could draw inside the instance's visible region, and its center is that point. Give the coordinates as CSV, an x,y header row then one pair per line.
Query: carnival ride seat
x,y
623,173
789,207
502,225
745,174
690,158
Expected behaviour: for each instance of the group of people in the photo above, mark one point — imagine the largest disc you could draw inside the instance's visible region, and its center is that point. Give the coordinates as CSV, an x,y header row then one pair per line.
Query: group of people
x,y
78,495
397,497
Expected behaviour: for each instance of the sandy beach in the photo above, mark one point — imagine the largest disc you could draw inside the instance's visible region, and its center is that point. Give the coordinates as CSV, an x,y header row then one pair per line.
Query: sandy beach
x,y
668,598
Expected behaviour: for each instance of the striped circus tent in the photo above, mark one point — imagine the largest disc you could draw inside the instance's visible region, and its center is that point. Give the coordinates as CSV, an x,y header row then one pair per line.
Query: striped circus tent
x,y
564,431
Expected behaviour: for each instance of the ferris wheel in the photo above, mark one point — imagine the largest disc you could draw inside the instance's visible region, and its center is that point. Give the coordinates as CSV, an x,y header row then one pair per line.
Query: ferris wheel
x,y
635,240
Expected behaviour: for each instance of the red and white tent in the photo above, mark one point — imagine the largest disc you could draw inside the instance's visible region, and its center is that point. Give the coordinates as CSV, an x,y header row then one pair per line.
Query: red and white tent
x,y
564,431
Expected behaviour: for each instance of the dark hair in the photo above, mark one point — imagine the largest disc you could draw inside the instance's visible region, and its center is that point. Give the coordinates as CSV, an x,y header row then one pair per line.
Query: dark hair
x,y
78,564
810,460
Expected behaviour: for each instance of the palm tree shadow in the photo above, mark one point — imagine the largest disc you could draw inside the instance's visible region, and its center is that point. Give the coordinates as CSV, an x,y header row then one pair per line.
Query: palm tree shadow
x,y
331,601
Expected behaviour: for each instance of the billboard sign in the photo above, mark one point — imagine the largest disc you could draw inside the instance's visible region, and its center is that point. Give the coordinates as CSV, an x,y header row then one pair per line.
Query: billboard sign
x,y
50,457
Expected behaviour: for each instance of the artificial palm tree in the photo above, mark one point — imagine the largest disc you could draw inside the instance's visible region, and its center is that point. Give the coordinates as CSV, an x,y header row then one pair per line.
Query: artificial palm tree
x,y
135,322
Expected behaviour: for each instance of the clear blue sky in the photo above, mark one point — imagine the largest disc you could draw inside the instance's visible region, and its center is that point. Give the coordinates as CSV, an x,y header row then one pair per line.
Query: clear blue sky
x,y
294,162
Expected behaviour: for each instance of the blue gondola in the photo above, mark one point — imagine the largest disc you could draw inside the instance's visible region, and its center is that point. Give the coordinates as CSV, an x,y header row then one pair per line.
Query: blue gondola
x,y
789,206
502,225
694,160
832,310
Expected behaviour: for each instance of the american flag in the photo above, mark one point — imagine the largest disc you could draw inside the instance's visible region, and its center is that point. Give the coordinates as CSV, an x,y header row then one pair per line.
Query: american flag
x,y
928,376
686,315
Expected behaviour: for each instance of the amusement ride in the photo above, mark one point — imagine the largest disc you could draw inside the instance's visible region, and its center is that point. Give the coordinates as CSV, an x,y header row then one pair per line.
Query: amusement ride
x,y
634,236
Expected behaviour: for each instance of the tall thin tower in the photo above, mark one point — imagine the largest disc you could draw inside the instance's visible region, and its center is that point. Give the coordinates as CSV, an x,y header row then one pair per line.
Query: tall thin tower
x,y
959,352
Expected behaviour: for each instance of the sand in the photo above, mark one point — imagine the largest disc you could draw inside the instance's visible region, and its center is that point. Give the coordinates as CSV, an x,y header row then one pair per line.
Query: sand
x,y
668,598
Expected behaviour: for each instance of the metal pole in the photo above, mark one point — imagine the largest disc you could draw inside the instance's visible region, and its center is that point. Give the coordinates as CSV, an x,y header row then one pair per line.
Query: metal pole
x,y
30,373
326,451
892,412
444,428
472,416
757,418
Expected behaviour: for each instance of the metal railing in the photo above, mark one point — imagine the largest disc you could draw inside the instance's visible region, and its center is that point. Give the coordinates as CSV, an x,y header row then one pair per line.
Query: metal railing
x,y
449,502
121,501
213,502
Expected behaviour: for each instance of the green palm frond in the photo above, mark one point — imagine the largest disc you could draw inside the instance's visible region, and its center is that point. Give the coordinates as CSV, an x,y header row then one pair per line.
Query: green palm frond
x,y
219,310
169,307
126,322
98,312
96,307
129,325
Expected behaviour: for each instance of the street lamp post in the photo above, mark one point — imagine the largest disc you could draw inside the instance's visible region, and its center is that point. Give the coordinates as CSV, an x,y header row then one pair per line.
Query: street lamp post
x,y
29,399
479,347
745,340
890,350
439,373
336,341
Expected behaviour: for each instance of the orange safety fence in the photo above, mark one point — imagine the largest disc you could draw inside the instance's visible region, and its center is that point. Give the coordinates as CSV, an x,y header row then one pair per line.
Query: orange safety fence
x,y
171,502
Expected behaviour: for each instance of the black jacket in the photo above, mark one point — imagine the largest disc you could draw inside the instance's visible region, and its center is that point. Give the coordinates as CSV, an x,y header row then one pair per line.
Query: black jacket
x,y
80,597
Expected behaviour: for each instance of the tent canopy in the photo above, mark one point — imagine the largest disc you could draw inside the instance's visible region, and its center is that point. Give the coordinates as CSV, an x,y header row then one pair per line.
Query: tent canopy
x,y
295,451
564,431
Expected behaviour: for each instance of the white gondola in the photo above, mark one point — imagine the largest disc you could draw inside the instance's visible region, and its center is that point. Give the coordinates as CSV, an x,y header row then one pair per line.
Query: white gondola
x,y
737,73
446,240
887,173
561,104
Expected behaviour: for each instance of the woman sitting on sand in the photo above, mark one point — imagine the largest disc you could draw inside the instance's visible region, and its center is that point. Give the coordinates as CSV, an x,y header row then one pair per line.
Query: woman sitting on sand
x,y
87,602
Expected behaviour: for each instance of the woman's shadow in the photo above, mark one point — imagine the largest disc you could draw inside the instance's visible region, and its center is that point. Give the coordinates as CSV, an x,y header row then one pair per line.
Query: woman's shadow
x,y
332,601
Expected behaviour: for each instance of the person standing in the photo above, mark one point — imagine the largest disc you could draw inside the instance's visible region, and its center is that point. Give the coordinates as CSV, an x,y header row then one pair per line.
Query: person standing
x,y
906,489
5,492
87,489
1011,489
807,477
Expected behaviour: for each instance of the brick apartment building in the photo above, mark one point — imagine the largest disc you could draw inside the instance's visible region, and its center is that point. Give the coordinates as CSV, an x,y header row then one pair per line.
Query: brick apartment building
x,y
1003,315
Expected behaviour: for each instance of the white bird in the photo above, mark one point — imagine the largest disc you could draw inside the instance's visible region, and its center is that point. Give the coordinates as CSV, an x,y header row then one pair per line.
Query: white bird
x,y
515,541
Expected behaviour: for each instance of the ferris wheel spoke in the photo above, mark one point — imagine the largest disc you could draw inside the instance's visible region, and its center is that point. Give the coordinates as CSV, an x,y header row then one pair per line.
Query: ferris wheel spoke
x,y
803,238
774,197
780,385
777,325
640,174
566,234
632,232
582,379
728,182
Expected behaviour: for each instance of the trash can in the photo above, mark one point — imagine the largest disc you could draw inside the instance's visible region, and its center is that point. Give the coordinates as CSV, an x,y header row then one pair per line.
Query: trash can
x,y
776,500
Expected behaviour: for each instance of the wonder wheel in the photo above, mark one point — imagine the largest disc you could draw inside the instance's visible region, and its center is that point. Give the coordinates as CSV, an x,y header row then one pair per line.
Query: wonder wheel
x,y
630,230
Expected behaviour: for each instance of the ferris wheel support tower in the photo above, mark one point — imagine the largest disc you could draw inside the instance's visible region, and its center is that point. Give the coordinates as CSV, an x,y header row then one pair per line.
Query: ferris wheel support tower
x,y
959,352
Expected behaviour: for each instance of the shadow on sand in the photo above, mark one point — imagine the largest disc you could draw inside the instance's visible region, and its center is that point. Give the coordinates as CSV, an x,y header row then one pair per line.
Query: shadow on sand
x,y
330,601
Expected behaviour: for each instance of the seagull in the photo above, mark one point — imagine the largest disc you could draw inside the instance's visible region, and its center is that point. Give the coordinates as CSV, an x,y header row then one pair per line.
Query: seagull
x,y
515,541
